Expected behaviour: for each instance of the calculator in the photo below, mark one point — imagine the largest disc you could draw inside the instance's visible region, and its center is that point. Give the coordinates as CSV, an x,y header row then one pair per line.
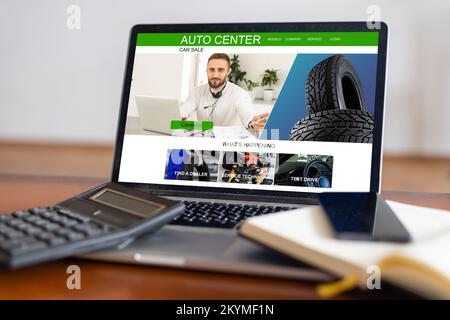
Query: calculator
x,y
102,217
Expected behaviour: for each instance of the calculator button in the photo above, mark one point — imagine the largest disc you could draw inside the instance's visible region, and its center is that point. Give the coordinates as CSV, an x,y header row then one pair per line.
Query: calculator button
x,y
75,236
19,224
27,247
92,232
21,245
13,234
51,239
56,218
31,218
41,223
38,210
28,224
45,236
51,226
5,229
65,211
70,234
56,241
68,222
61,232
47,214
36,219
32,231
4,226
15,223
5,217
74,215
83,219
8,244
89,230
21,214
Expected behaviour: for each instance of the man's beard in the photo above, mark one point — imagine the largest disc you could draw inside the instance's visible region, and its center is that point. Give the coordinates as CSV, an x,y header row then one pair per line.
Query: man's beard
x,y
218,85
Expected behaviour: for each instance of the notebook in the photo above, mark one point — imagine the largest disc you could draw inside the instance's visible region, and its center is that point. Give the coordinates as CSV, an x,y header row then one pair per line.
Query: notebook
x,y
422,266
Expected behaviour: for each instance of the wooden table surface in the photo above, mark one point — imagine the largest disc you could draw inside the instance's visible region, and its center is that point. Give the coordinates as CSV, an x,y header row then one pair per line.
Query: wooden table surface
x,y
40,174
101,280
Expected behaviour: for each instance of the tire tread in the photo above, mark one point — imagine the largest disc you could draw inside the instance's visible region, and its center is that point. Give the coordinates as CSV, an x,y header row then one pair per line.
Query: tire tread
x,y
335,126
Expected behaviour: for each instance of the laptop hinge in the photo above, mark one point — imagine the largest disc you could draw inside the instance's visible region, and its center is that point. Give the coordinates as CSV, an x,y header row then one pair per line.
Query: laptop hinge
x,y
300,199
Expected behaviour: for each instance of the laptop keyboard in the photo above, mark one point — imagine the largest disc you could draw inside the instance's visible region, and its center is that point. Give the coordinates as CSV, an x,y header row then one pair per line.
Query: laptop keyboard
x,y
221,215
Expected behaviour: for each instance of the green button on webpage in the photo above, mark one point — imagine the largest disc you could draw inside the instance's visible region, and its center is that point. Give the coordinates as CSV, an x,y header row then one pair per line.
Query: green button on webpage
x,y
191,125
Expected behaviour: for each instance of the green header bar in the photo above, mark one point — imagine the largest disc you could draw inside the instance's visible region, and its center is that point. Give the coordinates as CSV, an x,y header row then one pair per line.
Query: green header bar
x,y
191,125
259,39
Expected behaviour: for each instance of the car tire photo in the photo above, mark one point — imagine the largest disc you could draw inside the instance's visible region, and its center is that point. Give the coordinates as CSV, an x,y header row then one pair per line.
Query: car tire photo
x,y
334,84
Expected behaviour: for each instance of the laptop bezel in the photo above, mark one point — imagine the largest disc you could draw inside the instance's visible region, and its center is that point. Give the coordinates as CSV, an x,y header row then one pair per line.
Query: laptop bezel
x,y
377,151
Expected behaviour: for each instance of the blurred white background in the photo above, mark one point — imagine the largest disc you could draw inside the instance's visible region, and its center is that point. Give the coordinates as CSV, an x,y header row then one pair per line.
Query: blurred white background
x,y
61,85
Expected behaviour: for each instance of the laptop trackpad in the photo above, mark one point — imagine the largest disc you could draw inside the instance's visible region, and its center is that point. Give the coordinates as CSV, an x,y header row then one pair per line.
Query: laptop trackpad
x,y
184,242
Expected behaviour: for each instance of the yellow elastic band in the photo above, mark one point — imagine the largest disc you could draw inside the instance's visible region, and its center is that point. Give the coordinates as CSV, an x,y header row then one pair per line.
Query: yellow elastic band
x,y
329,290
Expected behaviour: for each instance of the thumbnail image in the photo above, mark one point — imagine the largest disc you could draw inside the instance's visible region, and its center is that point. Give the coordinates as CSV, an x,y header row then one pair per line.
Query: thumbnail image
x,y
247,167
314,171
192,165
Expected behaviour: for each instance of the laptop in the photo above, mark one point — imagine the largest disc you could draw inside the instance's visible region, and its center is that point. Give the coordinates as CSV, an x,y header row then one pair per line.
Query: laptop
x,y
323,134
156,113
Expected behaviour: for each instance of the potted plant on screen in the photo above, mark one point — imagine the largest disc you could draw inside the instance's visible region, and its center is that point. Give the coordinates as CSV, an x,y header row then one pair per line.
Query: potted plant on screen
x,y
251,88
236,75
269,79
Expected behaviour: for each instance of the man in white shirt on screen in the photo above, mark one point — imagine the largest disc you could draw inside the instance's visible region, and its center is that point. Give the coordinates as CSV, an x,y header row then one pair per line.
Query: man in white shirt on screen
x,y
221,101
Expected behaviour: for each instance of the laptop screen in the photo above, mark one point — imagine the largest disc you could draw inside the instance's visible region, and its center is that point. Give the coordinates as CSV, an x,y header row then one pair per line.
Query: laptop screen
x,y
290,111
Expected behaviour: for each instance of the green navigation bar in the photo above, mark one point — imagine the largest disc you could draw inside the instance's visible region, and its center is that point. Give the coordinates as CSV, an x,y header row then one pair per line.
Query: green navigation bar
x,y
191,125
259,39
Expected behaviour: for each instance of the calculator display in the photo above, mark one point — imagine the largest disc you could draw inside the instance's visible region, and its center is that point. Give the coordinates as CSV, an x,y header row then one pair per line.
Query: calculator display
x,y
137,206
